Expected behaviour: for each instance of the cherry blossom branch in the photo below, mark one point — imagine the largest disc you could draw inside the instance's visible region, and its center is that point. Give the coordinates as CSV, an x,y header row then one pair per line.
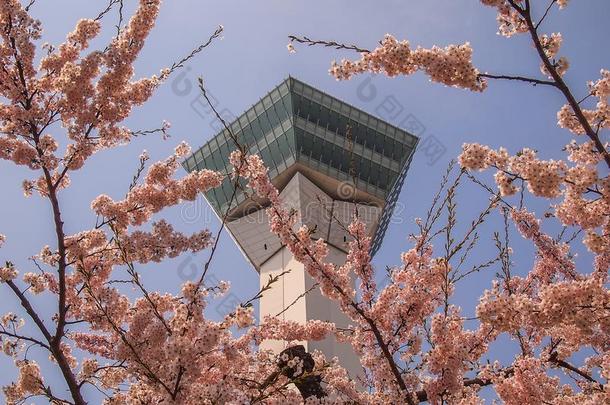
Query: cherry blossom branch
x,y
337,45
135,278
54,341
108,8
48,393
302,295
519,78
373,326
54,348
225,216
181,62
121,333
560,83
30,4
224,123
554,358
546,12
26,338
422,396
329,44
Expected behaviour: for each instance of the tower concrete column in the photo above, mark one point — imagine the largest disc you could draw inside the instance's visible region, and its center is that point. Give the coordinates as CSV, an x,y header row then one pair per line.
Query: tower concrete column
x,y
294,296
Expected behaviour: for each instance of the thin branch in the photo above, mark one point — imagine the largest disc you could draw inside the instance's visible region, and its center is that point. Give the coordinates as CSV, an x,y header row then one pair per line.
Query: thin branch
x,y
564,364
30,4
108,9
180,63
546,12
519,78
329,44
140,169
118,26
297,299
560,83
26,338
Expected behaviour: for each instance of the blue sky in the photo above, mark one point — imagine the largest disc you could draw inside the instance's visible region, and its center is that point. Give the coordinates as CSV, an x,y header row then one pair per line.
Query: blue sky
x,y
252,58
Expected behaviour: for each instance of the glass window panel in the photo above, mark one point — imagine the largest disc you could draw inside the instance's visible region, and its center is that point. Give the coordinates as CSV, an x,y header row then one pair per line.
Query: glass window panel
x,y
373,174
337,157
275,152
298,135
339,160
266,155
218,162
333,121
224,151
248,135
383,178
287,101
274,120
256,130
359,134
281,111
208,162
324,114
378,142
264,122
290,141
342,124
326,153
316,148
284,146
364,169
298,105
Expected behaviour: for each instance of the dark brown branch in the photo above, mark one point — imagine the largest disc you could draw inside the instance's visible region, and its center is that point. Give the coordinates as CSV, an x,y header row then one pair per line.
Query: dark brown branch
x,y
30,4
25,303
297,299
564,364
546,12
26,338
422,396
54,341
180,63
329,44
519,78
108,9
54,348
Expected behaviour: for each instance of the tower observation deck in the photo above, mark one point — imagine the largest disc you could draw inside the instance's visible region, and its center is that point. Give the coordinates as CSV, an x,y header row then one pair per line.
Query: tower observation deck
x,y
327,159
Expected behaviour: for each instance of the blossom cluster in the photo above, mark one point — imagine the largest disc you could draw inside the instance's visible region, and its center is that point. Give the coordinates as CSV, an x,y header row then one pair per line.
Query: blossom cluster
x,y
29,382
510,21
544,177
551,179
7,272
598,117
158,191
451,65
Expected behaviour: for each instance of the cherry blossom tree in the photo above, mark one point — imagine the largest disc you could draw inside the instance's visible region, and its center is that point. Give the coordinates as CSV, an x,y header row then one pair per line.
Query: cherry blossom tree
x,y
555,309
140,346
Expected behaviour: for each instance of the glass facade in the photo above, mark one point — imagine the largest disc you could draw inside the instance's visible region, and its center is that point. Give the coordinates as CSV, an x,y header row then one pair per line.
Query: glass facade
x,y
298,123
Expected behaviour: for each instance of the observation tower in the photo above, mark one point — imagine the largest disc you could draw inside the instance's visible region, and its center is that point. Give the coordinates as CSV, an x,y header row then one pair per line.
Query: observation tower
x,y
327,159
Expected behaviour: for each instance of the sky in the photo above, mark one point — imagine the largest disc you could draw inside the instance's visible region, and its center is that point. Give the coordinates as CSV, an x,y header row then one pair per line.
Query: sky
x,y
252,58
